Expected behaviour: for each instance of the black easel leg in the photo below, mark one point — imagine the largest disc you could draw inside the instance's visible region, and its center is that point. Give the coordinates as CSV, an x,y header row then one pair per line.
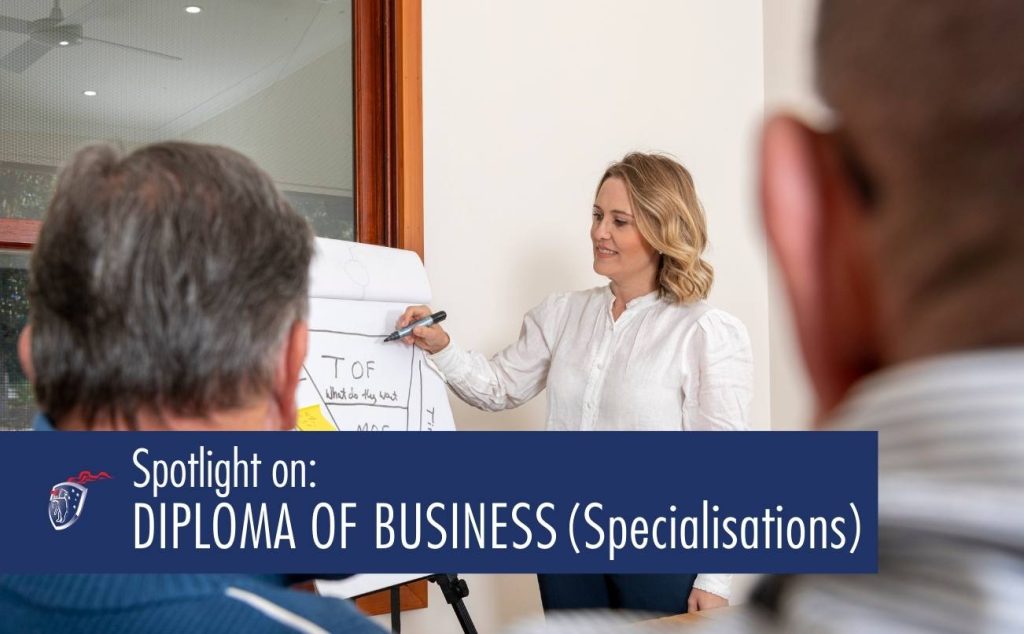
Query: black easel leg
x,y
396,610
455,590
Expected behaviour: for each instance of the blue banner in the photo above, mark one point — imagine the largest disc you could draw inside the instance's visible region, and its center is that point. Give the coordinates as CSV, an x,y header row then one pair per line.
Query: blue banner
x,y
500,502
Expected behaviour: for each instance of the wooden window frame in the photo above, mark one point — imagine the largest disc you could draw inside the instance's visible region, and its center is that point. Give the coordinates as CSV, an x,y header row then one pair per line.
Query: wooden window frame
x,y
18,234
387,44
388,122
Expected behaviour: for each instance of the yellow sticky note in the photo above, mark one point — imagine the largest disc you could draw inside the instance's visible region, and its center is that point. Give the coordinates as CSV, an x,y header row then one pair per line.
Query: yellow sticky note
x,y
312,419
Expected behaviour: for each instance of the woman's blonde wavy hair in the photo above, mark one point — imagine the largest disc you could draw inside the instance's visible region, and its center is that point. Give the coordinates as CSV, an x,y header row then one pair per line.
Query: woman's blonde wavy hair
x,y
670,217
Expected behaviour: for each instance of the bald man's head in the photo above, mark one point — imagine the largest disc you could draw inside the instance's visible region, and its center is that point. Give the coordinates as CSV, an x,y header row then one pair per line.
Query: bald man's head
x,y
930,100
900,231
932,94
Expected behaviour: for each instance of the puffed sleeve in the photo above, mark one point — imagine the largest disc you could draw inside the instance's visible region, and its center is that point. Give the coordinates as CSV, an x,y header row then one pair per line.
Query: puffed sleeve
x,y
514,375
725,386
721,353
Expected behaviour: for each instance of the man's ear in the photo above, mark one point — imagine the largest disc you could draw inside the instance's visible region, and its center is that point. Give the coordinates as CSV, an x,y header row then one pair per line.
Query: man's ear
x,y
798,188
25,353
289,368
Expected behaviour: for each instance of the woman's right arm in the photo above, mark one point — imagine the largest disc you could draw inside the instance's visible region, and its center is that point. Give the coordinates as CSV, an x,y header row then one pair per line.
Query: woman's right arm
x,y
509,378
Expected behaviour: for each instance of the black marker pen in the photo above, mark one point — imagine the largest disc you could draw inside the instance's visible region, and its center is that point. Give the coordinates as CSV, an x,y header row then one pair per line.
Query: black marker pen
x,y
429,320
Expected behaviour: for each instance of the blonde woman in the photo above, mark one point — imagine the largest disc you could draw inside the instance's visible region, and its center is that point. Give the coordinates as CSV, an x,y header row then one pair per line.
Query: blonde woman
x,y
644,352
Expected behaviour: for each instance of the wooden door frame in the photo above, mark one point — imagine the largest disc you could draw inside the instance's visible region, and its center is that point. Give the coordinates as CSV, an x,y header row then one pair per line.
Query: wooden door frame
x,y
387,89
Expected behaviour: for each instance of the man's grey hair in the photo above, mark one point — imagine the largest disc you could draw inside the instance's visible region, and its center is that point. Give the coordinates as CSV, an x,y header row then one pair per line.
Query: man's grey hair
x,y
163,281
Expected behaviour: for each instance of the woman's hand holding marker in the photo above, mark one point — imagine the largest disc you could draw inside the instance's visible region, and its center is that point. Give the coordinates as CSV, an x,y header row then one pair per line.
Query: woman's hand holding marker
x,y
431,338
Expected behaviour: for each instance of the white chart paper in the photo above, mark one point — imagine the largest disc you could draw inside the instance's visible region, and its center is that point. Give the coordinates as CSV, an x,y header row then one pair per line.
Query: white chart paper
x,y
351,379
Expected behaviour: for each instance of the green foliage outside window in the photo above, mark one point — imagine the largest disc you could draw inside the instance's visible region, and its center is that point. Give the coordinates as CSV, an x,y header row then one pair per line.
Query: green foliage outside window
x,y
16,400
25,190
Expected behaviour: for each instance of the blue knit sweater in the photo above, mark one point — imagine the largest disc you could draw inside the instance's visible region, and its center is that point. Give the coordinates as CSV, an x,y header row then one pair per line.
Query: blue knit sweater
x,y
159,604
169,603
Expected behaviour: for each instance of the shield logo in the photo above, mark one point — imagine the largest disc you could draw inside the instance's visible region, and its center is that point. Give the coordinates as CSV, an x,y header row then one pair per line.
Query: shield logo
x,y
67,499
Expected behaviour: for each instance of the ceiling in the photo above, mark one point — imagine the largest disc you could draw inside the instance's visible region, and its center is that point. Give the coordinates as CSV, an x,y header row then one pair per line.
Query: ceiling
x,y
230,51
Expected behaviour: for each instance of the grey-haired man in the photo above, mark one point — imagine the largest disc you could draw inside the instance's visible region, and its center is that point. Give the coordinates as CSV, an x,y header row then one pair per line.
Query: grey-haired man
x,y
167,292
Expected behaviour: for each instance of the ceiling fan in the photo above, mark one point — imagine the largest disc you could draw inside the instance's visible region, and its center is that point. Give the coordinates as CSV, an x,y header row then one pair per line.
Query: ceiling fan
x,y
48,33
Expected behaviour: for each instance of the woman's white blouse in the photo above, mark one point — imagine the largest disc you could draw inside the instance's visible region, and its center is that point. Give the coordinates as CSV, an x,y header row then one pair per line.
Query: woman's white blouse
x,y
660,366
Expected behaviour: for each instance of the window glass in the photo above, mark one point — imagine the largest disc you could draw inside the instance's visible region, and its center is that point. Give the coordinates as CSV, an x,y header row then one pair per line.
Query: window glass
x,y
270,78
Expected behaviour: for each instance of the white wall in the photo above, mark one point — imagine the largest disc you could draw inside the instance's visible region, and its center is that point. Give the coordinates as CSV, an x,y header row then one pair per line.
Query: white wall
x,y
524,105
789,86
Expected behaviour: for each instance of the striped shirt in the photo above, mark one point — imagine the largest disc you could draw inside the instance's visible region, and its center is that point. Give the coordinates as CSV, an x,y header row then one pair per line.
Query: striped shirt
x,y
951,507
